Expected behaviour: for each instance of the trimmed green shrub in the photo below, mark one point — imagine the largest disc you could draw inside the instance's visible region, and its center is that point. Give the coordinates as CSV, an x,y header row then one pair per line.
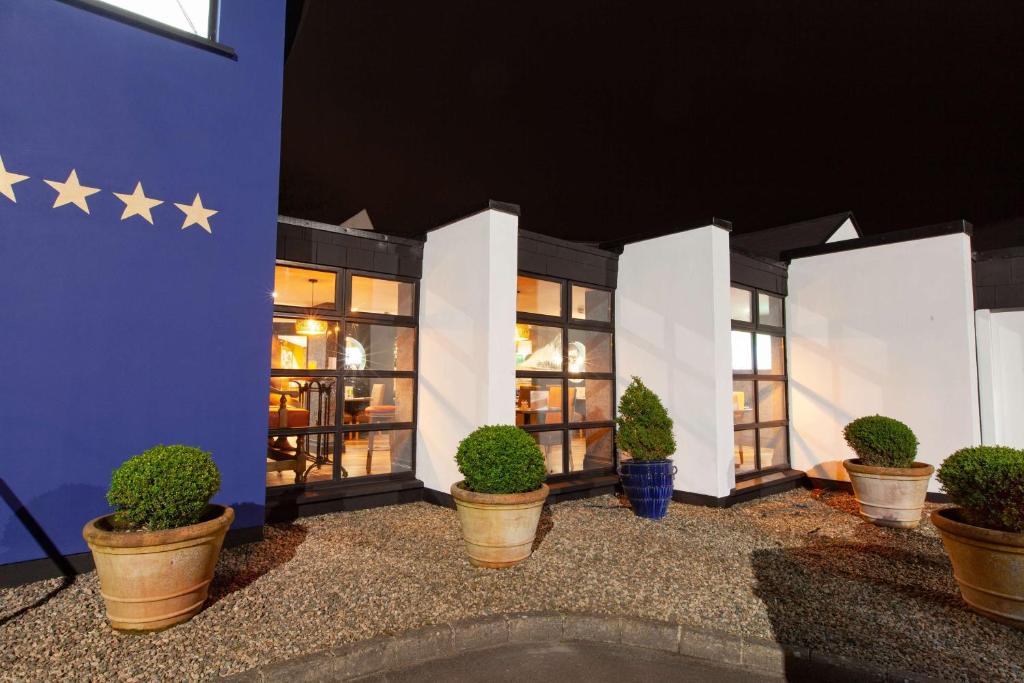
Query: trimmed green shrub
x,y
165,487
987,482
501,459
881,441
644,427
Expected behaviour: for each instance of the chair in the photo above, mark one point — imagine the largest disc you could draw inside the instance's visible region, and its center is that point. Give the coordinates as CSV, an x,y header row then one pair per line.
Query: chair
x,y
285,414
377,412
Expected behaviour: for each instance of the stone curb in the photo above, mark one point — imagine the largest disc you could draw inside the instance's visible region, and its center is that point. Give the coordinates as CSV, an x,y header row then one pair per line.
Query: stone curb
x,y
388,653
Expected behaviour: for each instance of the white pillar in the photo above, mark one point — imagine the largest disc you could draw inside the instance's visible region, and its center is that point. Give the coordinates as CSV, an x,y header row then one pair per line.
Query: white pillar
x,y
466,337
672,330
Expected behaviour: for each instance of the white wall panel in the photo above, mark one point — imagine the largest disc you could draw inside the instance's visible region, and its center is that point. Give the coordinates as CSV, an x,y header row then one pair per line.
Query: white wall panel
x,y
467,324
888,330
672,330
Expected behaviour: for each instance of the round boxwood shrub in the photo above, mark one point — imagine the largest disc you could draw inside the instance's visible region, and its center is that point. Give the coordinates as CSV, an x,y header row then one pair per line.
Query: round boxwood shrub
x,y
881,441
644,427
500,459
163,488
987,482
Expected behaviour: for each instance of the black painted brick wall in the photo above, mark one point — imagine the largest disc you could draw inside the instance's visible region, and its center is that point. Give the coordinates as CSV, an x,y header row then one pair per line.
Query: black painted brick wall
x,y
545,255
755,272
321,247
999,279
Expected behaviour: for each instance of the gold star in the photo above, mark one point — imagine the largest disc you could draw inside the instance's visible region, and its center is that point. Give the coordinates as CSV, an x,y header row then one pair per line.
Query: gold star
x,y
7,181
196,214
72,192
138,204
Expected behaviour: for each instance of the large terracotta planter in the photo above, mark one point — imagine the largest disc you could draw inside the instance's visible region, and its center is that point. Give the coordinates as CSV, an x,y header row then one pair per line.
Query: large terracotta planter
x,y
154,579
988,565
498,528
890,496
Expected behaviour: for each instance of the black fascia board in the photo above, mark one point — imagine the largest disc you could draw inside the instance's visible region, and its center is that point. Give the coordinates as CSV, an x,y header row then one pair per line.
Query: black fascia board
x,y
893,237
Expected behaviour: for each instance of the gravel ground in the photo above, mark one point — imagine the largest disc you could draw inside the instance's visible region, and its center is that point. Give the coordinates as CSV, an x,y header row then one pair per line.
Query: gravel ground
x,y
799,567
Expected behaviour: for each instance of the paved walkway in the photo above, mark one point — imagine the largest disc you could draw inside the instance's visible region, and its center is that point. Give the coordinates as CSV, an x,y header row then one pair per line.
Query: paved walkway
x,y
566,662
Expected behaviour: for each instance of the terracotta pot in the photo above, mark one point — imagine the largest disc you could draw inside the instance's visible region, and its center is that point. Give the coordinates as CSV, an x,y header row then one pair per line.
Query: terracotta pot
x,y
988,565
498,528
890,496
154,579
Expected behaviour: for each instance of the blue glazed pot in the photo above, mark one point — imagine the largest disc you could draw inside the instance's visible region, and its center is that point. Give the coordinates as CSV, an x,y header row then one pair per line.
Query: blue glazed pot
x,y
648,485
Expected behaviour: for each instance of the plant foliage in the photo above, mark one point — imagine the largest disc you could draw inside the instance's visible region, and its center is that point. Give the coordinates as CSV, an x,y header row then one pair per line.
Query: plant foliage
x,y
881,441
987,482
644,427
163,488
501,459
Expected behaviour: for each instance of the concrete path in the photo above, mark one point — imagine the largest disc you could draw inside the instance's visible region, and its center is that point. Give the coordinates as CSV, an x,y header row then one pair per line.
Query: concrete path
x,y
567,662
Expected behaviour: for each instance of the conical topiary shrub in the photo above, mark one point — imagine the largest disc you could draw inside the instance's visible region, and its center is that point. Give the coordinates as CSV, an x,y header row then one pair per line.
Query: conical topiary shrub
x,y
645,434
644,427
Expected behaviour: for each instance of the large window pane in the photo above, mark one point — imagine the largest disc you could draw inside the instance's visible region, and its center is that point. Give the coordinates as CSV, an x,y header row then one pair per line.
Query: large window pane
x,y
379,347
742,403
591,400
771,401
304,287
386,297
769,310
589,351
542,297
297,402
306,458
551,446
591,304
774,450
742,360
771,355
378,400
383,451
591,449
292,351
538,347
739,304
744,451
538,401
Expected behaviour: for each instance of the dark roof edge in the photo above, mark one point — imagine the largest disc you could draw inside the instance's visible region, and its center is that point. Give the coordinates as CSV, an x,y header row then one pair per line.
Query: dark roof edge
x,y
757,257
355,232
587,247
491,205
618,244
840,219
1005,252
894,237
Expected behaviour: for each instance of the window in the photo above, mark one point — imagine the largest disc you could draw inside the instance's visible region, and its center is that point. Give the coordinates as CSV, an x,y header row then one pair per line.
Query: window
x,y
342,399
565,381
197,17
759,406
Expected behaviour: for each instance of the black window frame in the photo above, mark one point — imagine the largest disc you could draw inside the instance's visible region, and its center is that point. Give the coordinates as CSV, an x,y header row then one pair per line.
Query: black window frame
x,y
565,322
342,316
209,42
755,327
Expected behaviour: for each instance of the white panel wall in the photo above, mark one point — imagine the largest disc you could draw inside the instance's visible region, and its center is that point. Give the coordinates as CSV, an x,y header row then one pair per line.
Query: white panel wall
x,y
672,331
1001,376
887,330
466,354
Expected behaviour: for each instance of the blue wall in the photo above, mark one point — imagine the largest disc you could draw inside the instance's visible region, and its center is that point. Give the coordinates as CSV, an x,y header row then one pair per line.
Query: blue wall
x,y
118,335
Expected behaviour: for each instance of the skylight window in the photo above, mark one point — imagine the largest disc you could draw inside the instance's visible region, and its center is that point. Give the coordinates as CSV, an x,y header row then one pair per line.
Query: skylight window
x,y
191,16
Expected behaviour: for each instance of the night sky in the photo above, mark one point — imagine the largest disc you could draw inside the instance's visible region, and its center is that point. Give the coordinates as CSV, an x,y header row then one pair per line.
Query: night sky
x,y
606,119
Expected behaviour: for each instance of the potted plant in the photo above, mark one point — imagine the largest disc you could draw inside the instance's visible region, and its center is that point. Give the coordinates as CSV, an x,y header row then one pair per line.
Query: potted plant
x,y
888,485
156,553
500,500
984,535
645,435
